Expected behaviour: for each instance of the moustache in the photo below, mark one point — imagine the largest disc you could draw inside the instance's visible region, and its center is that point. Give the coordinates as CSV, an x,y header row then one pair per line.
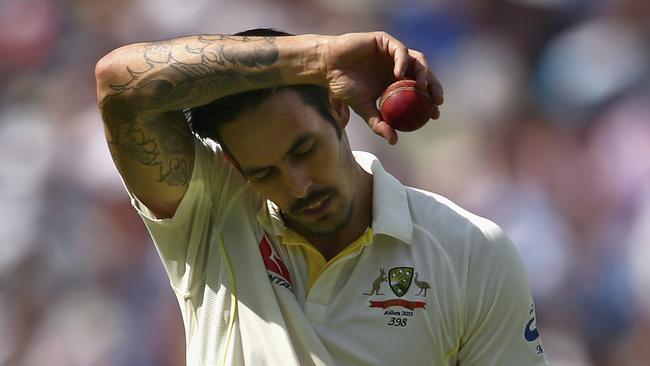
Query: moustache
x,y
312,198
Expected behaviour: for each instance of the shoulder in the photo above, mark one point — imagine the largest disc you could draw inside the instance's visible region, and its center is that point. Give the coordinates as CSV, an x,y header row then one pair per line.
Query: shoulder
x,y
464,236
440,215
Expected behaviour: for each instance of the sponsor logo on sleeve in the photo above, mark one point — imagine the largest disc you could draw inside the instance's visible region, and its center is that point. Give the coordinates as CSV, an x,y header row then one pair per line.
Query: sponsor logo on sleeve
x,y
531,333
275,267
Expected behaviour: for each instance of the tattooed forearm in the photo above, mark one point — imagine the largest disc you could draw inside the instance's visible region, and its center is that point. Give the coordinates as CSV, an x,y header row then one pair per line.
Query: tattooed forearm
x,y
264,54
182,72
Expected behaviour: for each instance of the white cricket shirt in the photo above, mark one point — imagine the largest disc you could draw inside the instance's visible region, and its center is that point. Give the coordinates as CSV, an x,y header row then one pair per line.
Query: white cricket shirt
x,y
428,284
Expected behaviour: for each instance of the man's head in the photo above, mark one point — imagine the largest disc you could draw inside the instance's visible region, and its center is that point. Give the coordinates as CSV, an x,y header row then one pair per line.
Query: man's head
x,y
289,143
207,120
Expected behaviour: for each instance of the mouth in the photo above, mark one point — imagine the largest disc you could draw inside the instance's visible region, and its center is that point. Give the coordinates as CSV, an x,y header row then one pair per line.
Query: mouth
x,y
319,207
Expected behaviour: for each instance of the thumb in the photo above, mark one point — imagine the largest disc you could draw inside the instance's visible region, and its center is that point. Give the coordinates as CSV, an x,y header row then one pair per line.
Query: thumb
x,y
370,113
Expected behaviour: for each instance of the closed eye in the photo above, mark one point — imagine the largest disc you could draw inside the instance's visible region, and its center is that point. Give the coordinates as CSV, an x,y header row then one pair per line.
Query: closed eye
x,y
304,149
262,175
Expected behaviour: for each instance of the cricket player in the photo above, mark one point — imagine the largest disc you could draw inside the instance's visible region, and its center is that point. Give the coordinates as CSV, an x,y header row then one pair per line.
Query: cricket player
x,y
284,247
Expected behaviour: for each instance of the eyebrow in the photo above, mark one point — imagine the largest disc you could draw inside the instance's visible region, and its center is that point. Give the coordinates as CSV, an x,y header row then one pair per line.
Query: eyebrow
x,y
296,144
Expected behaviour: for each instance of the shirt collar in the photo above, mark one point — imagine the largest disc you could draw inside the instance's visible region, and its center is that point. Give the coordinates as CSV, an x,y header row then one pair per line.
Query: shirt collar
x,y
390,210
270,218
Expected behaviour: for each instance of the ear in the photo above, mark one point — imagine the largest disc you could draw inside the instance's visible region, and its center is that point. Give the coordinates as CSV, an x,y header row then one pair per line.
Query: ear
x,y
340,111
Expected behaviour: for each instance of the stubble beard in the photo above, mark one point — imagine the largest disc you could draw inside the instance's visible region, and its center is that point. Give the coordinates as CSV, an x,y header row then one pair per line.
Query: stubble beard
x,y
342,216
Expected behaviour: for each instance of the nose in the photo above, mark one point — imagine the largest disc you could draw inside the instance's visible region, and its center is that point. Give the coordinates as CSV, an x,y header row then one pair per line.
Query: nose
x,y
297,181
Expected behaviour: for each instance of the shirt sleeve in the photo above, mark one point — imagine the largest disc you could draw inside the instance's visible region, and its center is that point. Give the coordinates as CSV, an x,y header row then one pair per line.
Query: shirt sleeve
x,y
184,240
500,322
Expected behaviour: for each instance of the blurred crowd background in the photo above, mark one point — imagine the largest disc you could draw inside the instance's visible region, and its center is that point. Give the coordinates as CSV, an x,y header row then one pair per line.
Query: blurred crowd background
x,y
545,130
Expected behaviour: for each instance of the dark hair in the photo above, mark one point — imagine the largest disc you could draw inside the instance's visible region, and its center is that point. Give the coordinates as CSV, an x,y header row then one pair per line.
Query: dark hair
x,y
206,120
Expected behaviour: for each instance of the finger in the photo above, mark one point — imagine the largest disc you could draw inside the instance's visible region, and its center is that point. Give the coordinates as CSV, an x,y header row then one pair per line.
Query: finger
x,y
399,52
420,68
436,113
435,89
372,116
384,130
401,60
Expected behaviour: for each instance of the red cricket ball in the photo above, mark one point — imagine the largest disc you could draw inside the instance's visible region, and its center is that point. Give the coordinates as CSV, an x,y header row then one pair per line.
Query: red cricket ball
x,y
405,107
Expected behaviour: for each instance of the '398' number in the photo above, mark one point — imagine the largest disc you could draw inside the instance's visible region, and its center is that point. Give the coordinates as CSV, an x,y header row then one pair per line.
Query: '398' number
x,y
397,322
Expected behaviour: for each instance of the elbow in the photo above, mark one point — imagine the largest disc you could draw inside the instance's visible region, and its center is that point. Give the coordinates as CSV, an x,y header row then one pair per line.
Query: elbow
x,y
112,70
103,69
104,75
111,101
118,87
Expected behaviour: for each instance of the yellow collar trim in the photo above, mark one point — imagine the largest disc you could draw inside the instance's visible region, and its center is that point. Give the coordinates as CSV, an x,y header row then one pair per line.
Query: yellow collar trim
x,y
316,263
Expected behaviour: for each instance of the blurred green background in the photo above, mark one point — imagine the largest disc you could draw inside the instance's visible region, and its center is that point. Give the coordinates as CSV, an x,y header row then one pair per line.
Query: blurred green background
x,y
545,130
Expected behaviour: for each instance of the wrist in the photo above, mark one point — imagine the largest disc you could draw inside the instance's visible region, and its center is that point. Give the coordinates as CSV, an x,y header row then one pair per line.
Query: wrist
x,y
306,55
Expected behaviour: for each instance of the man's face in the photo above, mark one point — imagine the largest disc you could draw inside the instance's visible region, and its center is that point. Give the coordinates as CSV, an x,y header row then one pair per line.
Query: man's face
x,y
292,156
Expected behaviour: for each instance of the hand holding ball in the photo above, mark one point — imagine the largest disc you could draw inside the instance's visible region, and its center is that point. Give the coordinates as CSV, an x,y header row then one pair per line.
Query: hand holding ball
x,y
405,107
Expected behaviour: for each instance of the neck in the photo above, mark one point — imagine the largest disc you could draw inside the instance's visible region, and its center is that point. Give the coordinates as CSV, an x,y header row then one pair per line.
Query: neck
x,y
330,245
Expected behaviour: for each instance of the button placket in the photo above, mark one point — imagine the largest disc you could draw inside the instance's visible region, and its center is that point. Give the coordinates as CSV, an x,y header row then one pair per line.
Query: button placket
x,y
318,298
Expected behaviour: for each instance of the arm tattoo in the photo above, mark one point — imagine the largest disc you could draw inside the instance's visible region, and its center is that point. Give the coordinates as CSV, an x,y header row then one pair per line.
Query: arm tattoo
x,y
177,74
214,66
167,146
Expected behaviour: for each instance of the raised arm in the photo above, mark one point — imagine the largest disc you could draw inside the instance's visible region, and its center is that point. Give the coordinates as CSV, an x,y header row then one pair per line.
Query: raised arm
x,y
142,89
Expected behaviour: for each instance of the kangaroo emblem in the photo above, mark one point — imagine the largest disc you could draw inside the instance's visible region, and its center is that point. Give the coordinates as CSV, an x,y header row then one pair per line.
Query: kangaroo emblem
x,y
377,282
